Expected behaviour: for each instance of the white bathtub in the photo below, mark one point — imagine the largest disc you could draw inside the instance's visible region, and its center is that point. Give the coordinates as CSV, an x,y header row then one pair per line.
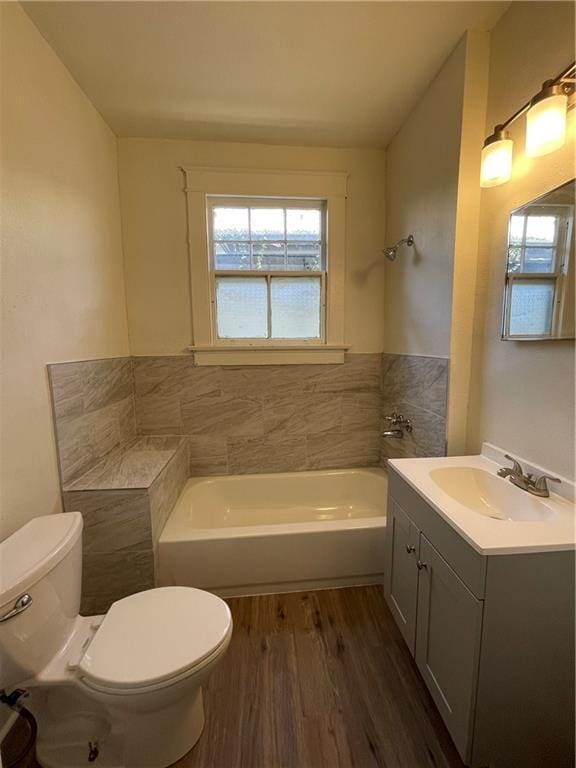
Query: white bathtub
x,y
250,534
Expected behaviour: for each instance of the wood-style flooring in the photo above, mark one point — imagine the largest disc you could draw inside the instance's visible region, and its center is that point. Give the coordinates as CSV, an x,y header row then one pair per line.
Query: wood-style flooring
x,y
319,680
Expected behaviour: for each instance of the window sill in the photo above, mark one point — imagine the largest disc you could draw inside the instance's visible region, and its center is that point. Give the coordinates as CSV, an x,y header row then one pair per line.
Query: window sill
x,y
251,355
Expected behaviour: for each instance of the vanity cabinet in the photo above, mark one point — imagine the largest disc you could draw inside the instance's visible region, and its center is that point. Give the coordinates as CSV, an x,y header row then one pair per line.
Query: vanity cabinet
x,y
440,619
447,641
492,636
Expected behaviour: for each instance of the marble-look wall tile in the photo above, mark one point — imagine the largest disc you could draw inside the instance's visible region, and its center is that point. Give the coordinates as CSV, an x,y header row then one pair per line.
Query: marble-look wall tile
x,y
361,411
107,577
422,381
266,454
114,520
241,419
343,450
208,455
125,500
217,416
164,491
416,387
359,373
93,402
161,384
135,465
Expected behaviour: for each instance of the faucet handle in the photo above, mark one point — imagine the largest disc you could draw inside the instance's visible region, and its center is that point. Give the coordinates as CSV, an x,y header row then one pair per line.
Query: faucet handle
x,y
541,483
516,466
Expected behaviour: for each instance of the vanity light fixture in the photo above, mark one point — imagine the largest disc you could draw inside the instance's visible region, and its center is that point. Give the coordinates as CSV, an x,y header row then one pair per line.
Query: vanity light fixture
x,y
545,128
496,167
546,120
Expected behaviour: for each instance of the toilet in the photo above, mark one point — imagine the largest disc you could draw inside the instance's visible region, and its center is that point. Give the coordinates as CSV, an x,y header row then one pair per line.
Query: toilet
x,y
123,690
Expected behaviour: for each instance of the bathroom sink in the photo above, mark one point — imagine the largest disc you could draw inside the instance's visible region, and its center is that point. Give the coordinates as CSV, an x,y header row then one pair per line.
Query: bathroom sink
x,y
488,495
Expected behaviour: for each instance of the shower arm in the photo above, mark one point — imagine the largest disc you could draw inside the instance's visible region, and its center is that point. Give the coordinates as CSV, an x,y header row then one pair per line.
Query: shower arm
x,y
390,251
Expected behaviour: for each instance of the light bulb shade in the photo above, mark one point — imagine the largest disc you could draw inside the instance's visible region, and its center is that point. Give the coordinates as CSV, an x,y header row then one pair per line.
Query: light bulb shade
x,y
496,165
546,125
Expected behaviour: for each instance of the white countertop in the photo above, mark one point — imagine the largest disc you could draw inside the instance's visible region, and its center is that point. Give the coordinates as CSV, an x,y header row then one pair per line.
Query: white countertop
x,y
487,535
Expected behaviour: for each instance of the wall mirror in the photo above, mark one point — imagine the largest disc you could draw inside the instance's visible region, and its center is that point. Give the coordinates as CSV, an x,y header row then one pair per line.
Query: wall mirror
x,y
539,291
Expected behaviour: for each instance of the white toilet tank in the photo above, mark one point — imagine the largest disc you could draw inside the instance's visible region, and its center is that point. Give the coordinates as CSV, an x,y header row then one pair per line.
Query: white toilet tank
x,y
44,561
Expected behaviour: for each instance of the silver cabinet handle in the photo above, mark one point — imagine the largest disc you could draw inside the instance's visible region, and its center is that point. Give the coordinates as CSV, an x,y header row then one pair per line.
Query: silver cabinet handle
x,y
410,548
23,602
421,565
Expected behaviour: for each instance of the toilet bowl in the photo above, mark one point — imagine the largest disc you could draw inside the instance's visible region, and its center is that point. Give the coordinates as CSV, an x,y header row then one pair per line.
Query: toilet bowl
x,y
122,690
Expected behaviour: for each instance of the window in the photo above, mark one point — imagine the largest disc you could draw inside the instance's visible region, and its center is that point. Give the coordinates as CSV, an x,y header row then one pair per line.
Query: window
x,y
268,265
538,251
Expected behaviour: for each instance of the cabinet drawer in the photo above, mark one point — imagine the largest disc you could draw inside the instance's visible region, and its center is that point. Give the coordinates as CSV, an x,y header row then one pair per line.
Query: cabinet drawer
x,y
468,564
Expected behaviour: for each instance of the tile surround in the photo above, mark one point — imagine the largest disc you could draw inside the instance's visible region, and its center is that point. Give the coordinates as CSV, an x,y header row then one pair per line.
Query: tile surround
x,y
130,431
122,524
136,465
239,419
93,403
416,387
263,418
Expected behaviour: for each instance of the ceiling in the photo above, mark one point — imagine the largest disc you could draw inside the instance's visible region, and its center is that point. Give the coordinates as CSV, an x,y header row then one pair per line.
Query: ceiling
x,y
305,73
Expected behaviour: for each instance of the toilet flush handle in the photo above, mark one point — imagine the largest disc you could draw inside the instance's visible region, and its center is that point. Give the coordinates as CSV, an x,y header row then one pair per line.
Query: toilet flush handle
x,y
23,602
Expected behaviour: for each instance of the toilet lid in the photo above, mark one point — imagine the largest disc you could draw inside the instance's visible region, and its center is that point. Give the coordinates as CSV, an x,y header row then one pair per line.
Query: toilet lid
x,y
155,635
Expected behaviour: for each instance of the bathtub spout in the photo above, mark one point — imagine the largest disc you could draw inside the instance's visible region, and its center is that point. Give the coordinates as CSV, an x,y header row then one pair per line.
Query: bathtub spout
x,y
393,433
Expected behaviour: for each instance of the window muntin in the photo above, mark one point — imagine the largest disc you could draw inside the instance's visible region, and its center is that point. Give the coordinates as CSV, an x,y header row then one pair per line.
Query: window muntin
x,y
252,242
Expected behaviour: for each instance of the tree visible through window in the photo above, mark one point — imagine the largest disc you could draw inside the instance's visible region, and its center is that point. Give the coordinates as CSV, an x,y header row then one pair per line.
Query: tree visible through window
x,y
268,265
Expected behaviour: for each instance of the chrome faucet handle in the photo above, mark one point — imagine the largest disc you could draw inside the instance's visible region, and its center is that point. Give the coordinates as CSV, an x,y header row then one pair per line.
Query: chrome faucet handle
x,y
541,483
394,418
516,466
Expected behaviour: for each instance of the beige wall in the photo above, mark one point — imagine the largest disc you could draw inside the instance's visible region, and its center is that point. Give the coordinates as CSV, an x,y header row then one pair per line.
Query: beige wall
x,y
421,196
62,276
523,392
154,232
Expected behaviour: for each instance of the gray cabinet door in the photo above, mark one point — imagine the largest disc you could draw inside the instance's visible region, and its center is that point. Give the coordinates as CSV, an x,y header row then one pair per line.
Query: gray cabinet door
x,y
448,643
400,571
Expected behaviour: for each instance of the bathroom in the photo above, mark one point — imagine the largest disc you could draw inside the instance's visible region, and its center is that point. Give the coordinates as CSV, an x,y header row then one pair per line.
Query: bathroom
x,y
287,468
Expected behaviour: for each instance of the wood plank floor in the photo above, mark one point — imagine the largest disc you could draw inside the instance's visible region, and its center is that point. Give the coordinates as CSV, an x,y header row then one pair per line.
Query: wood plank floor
x,y
319,680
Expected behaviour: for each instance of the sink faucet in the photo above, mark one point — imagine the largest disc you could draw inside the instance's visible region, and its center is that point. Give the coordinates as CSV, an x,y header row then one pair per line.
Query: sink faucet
x,y
537,487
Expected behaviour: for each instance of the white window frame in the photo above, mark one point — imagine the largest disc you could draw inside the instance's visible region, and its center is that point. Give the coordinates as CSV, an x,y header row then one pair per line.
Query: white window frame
x,y
557,278
214,201
202,184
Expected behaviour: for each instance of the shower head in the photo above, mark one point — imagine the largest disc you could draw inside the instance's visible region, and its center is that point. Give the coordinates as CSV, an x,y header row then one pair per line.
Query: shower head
x,y
391,251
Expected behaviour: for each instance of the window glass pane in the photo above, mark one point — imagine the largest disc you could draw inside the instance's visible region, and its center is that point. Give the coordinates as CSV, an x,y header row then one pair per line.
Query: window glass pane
x,y
303,256
268,255
267,223
296,307
541,230
531,307
242,307
539,260
514,259
303,224
232,255
230,224
516,230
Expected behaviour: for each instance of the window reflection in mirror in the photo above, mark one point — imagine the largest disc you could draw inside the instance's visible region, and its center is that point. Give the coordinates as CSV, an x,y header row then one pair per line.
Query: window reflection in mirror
x,y
539,293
